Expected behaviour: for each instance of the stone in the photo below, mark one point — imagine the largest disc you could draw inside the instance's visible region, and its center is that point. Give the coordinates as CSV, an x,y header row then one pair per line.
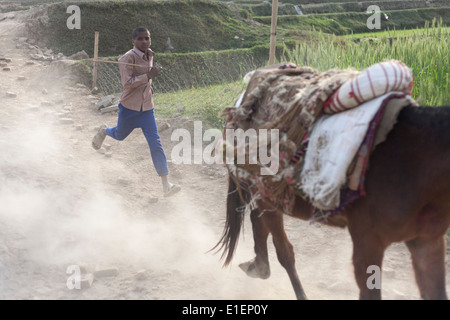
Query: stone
x,y
152,199
8,60
33,108
108,154
65,121
106,272
107,146
84,268
398,295
29,62
95,90
109,109
86,281
105,101
46,103
339,286
163,125
44,91
123,181
6,69
60,114
34,50
37,56
101,150
115,102
80,85
50,115
388,272
141,275
79,127
21,78
79,56
10,94
3,64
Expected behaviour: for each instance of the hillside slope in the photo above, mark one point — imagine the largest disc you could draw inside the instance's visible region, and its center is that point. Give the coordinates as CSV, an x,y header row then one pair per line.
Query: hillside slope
x,y
191,26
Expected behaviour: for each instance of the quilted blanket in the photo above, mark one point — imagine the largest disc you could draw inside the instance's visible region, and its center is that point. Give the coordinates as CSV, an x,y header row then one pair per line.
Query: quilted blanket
x,y
297,101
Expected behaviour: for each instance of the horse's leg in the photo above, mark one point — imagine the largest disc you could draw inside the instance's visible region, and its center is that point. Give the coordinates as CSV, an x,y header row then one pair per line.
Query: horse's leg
x,y
285,251
258,267
368,251
428,258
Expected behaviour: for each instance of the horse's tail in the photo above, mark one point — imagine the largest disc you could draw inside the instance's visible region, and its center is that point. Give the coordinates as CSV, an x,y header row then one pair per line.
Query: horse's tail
x,y
234,222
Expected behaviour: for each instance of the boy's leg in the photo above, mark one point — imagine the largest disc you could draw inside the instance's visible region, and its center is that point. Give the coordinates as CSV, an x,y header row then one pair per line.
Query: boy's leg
x,y
120,132
159,159
124,124
154,142
99,137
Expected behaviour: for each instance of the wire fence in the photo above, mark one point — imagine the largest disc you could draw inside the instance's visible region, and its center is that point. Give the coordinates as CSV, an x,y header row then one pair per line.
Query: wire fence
x,y
208,82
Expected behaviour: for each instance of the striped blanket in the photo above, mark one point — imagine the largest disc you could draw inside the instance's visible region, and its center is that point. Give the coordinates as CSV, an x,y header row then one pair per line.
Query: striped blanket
x,y
381,78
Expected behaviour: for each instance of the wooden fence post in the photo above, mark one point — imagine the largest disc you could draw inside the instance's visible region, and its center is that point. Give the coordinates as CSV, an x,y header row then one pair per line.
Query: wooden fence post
x,y
94,72
273,31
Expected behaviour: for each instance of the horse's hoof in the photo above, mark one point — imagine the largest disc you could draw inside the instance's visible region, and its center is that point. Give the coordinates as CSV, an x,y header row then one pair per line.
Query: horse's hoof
x,y
255,271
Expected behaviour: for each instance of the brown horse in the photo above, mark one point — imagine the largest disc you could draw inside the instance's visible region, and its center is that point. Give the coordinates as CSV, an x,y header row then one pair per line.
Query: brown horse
x,y
408,199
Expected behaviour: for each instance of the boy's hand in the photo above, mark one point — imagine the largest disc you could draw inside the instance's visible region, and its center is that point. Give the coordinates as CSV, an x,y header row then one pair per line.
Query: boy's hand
x,y
154,71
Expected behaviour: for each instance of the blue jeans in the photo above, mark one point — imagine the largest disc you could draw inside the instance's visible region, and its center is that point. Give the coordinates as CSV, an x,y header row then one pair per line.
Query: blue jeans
x,y
128,121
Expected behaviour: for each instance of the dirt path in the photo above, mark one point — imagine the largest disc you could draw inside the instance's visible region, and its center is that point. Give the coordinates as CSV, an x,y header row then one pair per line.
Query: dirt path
x,y
63,204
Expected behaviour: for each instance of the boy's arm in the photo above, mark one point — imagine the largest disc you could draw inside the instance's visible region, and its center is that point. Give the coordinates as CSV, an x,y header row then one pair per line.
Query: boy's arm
x,y
128,79
154,71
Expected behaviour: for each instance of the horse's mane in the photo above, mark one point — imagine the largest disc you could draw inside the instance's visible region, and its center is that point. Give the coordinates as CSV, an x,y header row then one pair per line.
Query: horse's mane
x,y
426,117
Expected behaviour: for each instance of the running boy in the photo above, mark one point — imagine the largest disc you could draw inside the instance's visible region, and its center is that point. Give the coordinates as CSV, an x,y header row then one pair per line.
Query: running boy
x,y
136,108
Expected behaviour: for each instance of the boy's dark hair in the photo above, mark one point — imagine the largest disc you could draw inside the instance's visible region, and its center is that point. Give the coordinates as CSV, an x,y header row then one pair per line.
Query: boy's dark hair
x,y
139,30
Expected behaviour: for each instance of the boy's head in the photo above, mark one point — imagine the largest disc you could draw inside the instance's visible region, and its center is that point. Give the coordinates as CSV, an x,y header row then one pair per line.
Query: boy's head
x,y
141,38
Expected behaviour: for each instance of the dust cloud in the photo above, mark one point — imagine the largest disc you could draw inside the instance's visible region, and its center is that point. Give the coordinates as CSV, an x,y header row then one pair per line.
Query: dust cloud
x,y
58,208
57,211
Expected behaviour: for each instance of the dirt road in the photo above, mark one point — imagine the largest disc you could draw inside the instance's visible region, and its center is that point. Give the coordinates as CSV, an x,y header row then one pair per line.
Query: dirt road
x,y
64,204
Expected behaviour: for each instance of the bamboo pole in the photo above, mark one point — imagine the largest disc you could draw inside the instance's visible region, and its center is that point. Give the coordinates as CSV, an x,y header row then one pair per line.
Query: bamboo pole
x,y
94,72
273,31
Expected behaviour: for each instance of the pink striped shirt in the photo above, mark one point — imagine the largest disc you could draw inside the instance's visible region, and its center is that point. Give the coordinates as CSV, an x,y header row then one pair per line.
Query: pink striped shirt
x,y
137,89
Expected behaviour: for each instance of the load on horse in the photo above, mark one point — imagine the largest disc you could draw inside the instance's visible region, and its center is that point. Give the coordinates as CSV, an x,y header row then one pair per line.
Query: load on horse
x,y
354,151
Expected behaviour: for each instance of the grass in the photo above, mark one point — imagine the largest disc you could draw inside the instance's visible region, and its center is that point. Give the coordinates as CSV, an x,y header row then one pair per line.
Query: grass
x,y
392,33
287,7
426,52
195,25
356,22
202,103
192,25
209,27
